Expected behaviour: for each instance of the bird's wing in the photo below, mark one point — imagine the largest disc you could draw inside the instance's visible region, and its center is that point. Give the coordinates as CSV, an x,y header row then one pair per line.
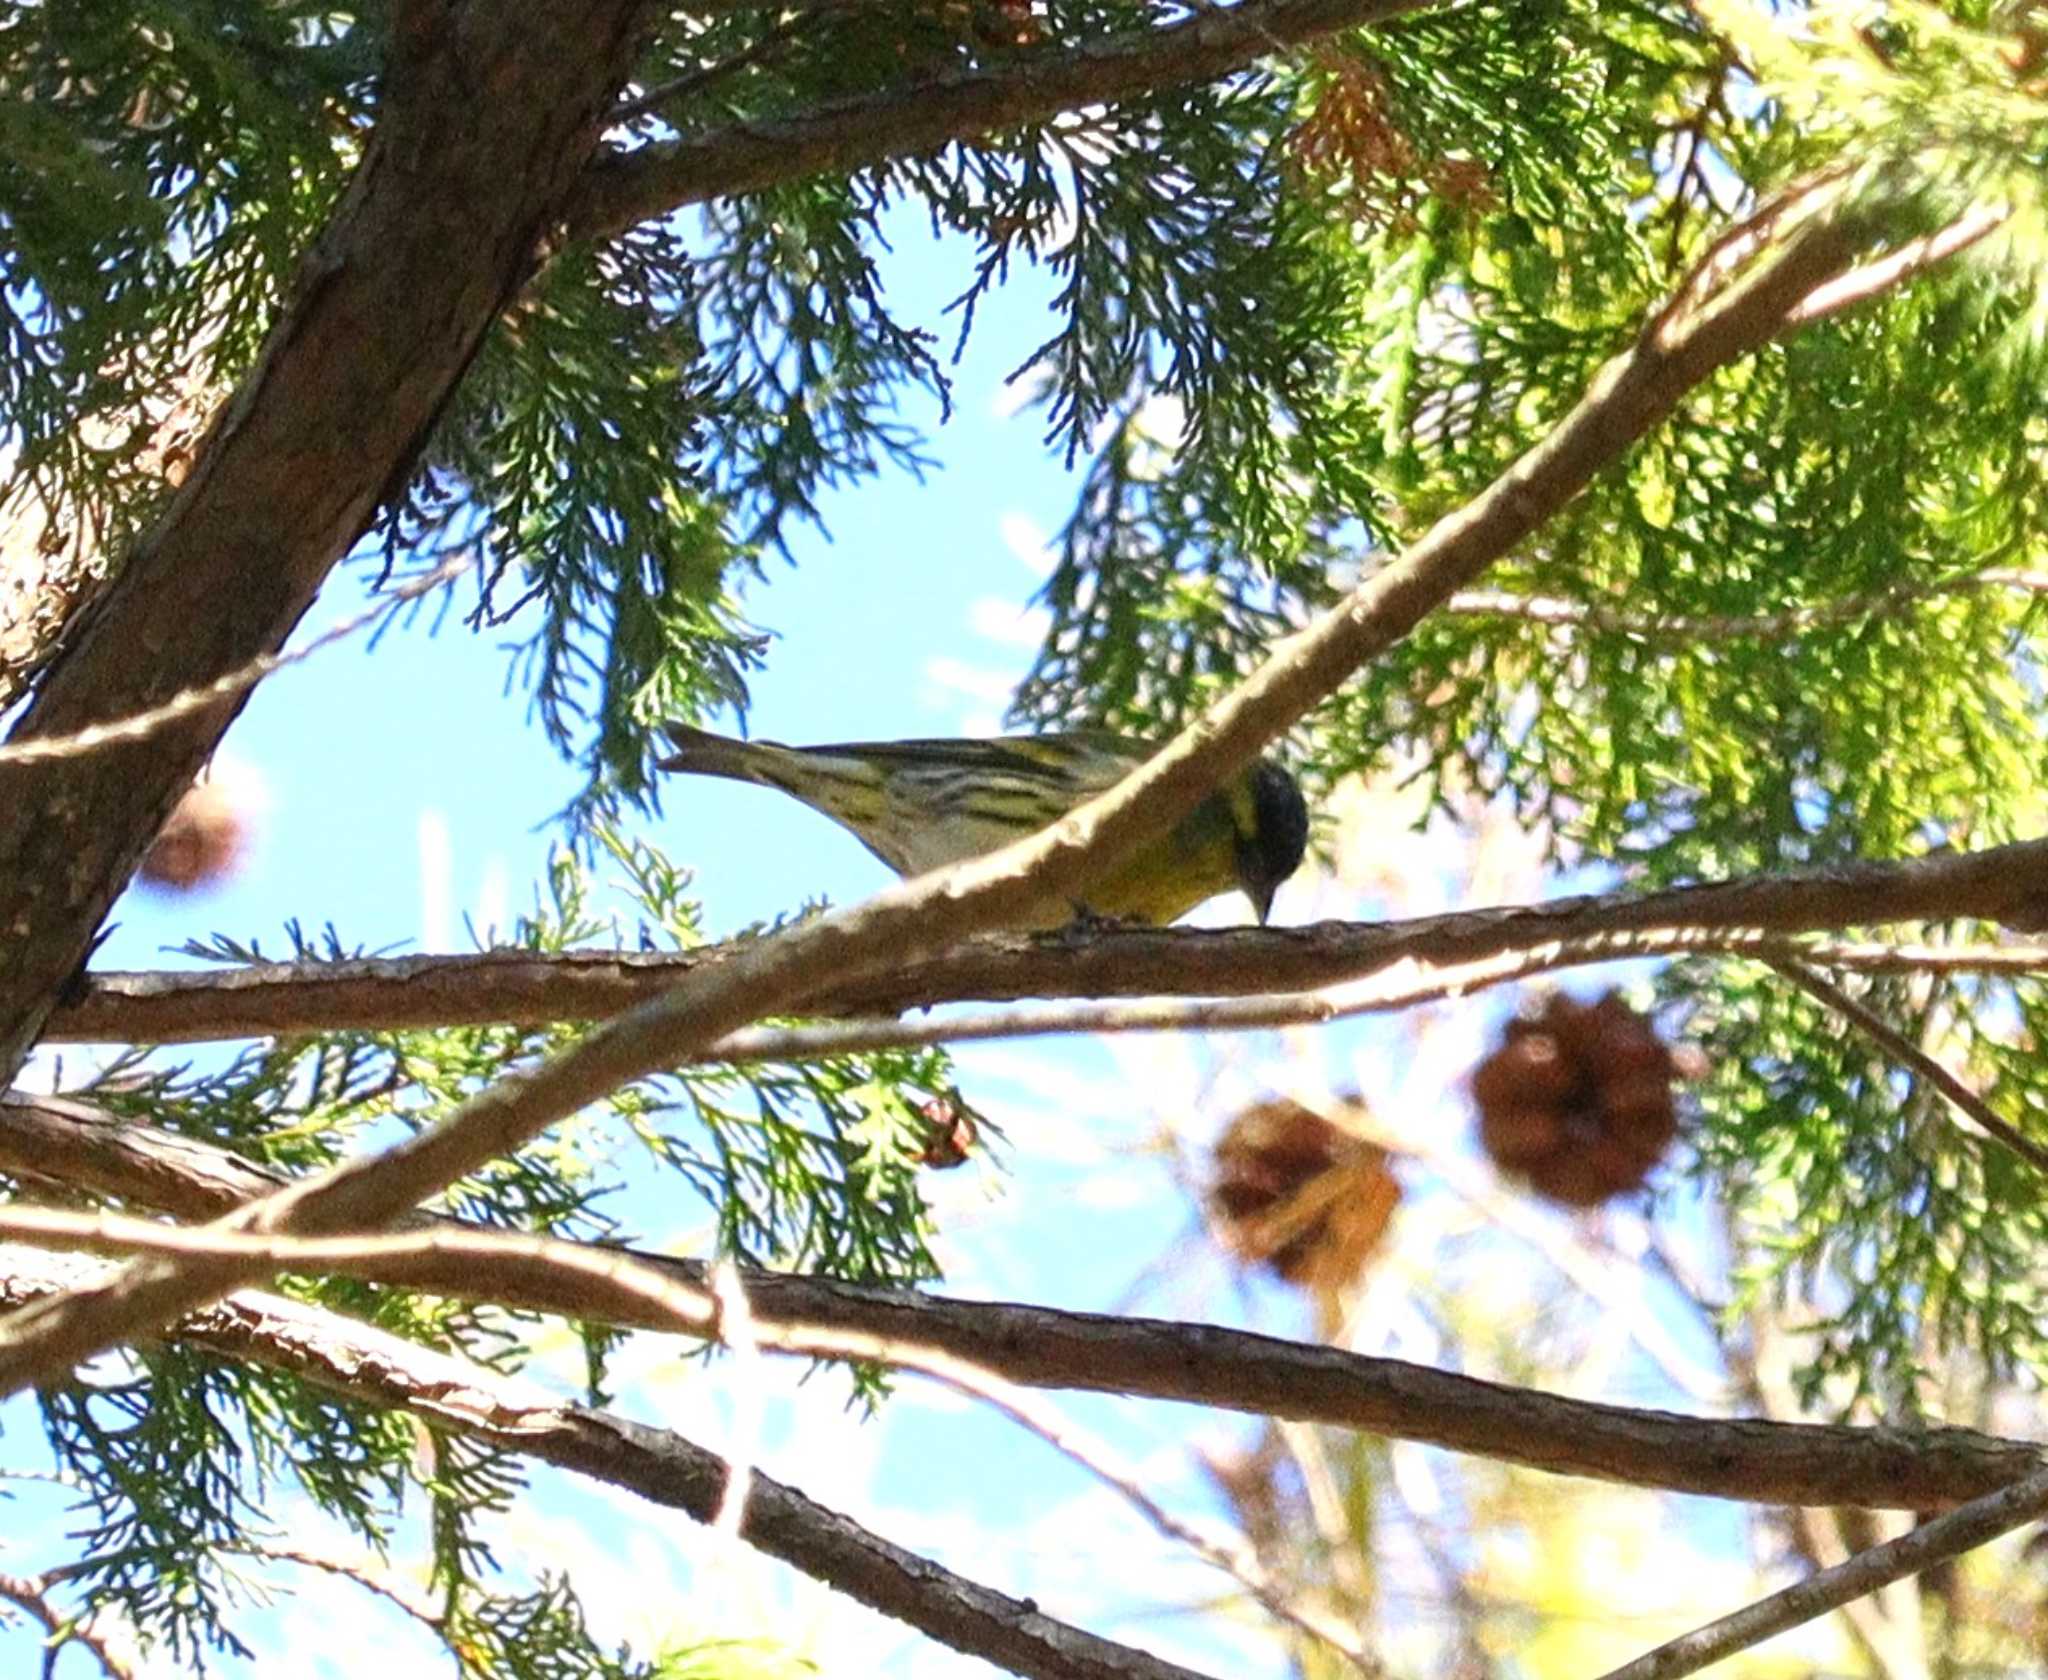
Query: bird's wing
x,y
922,804
956,799
1081,755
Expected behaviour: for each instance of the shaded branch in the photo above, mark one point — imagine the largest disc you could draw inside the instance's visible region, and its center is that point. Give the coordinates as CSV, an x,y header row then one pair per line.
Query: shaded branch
x,y
622,188
525,988
1221,1549
1041,1347
518,1416
1961,1530
792,27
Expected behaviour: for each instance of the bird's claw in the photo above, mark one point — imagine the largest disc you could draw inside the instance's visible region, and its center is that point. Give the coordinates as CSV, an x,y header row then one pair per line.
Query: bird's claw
x,y
1086,924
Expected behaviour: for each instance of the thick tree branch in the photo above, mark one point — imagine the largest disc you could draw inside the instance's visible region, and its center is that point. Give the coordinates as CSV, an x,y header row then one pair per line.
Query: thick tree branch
x,y
1041,1347
488,117
526,989
1961,1530
1739,299
622,188
517,1415
76,1147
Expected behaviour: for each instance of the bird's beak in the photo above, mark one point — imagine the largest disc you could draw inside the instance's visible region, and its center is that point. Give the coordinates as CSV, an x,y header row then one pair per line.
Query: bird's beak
x,y
1262,900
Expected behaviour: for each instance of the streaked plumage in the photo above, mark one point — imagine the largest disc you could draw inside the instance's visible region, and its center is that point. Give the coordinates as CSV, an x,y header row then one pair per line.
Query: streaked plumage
x,y
920,805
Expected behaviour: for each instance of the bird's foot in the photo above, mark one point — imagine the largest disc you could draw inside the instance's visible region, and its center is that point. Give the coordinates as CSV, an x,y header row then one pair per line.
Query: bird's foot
x,y
1086,924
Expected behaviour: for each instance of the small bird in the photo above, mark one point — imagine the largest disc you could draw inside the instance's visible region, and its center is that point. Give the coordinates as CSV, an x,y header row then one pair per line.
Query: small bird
x,y
920,805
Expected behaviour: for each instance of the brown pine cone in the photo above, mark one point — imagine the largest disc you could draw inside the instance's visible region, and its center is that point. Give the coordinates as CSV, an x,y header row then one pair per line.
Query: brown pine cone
x,y
1299,1195
1577,1101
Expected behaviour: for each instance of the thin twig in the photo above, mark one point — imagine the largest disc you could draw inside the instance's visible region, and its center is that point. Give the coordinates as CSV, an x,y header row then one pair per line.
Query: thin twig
x,y
1415,984
1961,1530
31,1594
1895,1649
1228,1553
709,75
1585,1270
142,725
369,1579
1342,1545
1904,1051
1692,627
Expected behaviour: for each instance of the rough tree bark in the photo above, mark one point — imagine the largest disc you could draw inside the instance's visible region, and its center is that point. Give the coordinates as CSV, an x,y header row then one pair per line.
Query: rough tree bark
x,y
527,989
489,117
1798,1464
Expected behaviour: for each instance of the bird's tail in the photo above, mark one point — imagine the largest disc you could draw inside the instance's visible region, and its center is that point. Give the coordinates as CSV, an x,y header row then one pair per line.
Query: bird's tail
x,y
701,753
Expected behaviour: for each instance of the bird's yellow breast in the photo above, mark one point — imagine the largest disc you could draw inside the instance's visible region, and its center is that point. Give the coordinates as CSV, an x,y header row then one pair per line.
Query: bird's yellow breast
x,y
1162,883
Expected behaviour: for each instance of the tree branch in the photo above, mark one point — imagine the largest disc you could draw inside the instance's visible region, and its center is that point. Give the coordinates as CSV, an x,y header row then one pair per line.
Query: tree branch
x,y
524,988
1961,1530
371,1578
234,685
631,1288
1738,300
1868,280
1042,1347
517,1415
624,187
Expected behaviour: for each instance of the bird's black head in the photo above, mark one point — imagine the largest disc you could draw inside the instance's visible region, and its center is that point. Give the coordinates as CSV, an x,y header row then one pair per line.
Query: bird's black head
x,y
1273,849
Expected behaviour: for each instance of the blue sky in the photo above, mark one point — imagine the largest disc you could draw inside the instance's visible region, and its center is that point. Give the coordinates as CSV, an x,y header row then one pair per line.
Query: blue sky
x,y
402,787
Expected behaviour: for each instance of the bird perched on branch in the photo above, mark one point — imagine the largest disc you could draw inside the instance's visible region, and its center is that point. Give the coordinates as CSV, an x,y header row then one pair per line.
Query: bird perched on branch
x,y
920,805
